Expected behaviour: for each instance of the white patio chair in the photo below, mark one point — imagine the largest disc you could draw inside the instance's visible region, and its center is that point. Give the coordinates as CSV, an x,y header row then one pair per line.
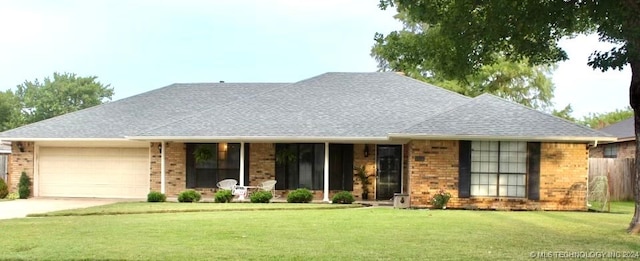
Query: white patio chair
x,y
269,185
227,184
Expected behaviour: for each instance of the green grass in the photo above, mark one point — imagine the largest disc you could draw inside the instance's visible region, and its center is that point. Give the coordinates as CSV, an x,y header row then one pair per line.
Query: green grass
x,y
173,207
314,234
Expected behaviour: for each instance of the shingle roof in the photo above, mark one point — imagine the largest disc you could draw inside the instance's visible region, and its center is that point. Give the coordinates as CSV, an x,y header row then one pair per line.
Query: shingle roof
x,y
328,106
624,130
491,116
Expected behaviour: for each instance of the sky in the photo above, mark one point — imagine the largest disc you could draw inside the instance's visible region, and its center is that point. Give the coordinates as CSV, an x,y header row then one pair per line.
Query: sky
x,y
137,46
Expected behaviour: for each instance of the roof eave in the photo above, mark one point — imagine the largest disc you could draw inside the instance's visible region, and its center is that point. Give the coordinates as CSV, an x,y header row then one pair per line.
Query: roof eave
x,y
260,139
503,138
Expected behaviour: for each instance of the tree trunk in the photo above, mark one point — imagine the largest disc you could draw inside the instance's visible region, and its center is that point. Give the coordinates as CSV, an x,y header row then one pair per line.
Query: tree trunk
x,y
634,98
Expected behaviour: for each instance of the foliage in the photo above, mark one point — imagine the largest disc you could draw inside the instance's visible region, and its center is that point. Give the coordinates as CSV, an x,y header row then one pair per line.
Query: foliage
x,y
223,196
601,120
10,116
361,173
599,197
155,196
463,36
189,195
13,196
518,81
65,93
343,197
440,199
261,197
302,195
4,189
24,185
203,153
565,113
285,155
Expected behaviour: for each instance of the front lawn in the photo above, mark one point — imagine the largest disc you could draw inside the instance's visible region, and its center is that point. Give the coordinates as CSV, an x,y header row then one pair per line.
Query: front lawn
x,y
327,234
173,207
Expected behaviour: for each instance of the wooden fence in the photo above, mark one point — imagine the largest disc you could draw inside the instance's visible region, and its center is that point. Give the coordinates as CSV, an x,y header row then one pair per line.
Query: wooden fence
x,y
619,172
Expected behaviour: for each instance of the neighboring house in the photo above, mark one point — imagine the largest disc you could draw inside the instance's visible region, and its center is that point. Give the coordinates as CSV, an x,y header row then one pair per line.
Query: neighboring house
x,y
416,138
624,147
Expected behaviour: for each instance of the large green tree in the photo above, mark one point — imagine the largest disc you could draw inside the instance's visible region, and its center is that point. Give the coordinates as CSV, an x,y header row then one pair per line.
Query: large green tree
x,y
10,116
65,93
471,32
517,81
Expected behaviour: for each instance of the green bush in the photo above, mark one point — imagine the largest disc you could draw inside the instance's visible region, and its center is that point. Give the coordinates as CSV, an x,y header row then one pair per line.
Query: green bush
x,y
4,190
155,196
223,196
343,197
189,195
300,196
261,197
23,186
13,196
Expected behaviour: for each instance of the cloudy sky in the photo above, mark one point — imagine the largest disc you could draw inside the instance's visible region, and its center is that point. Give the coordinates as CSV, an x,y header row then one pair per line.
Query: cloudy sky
x,y
137,46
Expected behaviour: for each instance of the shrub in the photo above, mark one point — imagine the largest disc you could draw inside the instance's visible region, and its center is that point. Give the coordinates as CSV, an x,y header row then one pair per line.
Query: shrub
x,y
155,196
4,190
261,197
223,196
189,195
440,199
23,186
343,197
300,196
13,196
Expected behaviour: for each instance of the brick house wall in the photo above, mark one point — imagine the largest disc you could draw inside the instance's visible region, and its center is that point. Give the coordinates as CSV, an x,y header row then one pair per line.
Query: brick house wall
x,y
19,162
563,176
626,149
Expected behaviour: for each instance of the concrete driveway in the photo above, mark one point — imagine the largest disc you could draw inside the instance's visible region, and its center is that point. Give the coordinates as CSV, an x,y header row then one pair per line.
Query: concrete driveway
x,y
21,207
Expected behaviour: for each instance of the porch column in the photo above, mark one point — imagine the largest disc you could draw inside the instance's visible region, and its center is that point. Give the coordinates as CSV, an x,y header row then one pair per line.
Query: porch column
x,y
242,164
325,193
162,167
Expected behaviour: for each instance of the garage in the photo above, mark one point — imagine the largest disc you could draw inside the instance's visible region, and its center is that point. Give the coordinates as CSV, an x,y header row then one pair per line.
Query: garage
x,y
93,172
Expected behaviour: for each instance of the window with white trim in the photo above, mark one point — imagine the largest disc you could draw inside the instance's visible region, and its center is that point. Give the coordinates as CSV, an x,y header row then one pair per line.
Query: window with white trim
x,y
498,168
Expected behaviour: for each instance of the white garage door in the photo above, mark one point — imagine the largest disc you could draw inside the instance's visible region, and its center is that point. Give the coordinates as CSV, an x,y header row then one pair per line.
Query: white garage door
x,y
93,172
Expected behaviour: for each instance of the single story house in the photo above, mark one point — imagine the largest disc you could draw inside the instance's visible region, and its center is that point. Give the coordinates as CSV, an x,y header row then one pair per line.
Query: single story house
x,y
415,138
625,145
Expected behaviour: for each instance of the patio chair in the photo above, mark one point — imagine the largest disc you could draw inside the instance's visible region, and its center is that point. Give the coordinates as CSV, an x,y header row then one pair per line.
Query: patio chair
x,y
227,184
269,185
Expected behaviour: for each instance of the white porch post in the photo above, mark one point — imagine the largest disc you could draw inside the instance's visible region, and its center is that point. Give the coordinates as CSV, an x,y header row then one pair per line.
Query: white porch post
x,y
242,164
325,193
162,167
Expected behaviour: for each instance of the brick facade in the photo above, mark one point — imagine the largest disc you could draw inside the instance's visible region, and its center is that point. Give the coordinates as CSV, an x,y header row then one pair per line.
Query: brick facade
x,y
626,149
563,177
370,166
19,162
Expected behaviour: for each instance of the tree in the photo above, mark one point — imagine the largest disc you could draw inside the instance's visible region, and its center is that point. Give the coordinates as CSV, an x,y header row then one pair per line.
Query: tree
x,y
517,81
600,120
10,116
565,113
65,93
470,33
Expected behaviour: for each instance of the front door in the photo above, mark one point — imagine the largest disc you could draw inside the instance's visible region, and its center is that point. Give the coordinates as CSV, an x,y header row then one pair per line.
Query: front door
x,y
388,178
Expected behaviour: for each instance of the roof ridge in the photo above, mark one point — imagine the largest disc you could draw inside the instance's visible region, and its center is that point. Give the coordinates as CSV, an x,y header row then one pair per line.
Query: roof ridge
x,y
470,100
432,85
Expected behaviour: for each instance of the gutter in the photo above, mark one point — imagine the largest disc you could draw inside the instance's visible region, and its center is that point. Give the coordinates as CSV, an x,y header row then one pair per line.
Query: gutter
x,y
501,138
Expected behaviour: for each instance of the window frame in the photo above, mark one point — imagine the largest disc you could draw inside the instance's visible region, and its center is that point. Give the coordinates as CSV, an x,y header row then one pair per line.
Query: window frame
x,y
221,168
610,151
493,158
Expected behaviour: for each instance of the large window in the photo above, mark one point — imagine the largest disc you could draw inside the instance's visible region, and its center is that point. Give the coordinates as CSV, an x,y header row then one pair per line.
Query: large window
x,y
208,163
611,151
300,166
498,168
